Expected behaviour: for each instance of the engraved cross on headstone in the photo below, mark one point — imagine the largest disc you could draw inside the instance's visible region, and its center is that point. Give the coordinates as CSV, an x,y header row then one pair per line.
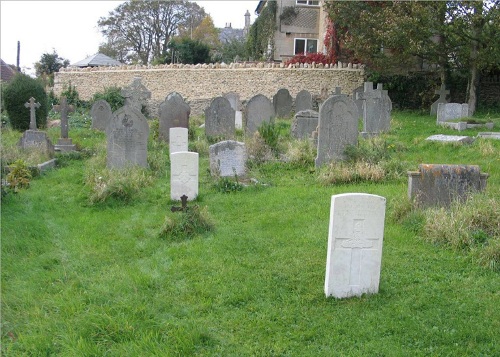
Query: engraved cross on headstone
x,y
135,94
64,109
32,105
357,242
179,143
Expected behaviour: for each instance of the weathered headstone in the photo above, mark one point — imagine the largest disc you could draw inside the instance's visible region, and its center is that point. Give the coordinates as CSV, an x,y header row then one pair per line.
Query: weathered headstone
x,y
127,138
338,128
234,99
178,139
440,185
385,110
101,114
303,101
337,91
136,94
355,240
450,139
184,175
174,113
358,102
219,119
304,123
64,143
259,109
371,108
32,105
282,102
489,135
228,158
451,111
32,138
442,99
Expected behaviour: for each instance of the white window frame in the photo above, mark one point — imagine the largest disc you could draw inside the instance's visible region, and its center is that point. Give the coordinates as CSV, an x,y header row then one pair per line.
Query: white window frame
x,y
305,45
307,2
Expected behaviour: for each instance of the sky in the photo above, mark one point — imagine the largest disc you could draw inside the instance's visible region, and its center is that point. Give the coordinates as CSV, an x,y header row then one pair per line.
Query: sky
x,y
70,27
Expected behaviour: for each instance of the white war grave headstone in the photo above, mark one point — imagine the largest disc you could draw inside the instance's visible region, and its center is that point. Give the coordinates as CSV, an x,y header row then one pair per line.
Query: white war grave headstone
x,y
127,138
184,175
178,139
355,239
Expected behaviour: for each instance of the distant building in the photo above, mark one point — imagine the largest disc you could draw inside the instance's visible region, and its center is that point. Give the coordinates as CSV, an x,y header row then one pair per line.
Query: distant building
x,y
6,72
97,60
228,34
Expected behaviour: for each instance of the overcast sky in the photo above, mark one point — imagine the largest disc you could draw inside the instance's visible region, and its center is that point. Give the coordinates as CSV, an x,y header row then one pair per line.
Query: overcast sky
x,y
70,27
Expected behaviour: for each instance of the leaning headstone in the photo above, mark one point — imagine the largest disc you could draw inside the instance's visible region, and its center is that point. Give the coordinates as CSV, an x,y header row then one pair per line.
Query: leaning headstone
x,y
178,140
442,99
451,111
127,138
358,102
440,185
258,110
385,110
337,128
228,158
32,138
64,143
174,113
355,240
282,102
101,114
219,119
304,123
136,94
303,101
450,139
184,175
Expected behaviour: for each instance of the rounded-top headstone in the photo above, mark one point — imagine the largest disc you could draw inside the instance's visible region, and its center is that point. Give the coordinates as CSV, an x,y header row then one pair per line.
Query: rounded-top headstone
x,y
101,114
259,109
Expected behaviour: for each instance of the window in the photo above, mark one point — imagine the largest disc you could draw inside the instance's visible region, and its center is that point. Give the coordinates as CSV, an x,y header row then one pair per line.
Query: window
x,y
305,45
308,2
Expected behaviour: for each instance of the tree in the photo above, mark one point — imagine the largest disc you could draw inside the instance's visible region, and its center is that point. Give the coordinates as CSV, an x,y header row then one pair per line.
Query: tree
x,y
143,29
206,33
49,64
260,42
189,51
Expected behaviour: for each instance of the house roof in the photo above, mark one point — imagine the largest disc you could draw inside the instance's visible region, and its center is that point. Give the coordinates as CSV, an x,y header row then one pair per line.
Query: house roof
x,y
228,33
6,71
97,60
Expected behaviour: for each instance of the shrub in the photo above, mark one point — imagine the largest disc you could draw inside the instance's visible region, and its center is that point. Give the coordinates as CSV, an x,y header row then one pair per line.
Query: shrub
x,y
183,225
270,134
309,58
257,149
17,93
71,94
19,176
112,95
301,153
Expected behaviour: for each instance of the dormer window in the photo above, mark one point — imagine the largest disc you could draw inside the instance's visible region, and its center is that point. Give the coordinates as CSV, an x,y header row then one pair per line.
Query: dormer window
x,y
308,2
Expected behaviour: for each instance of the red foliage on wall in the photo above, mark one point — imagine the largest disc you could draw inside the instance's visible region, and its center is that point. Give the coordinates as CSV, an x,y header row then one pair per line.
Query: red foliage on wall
x,y
316,57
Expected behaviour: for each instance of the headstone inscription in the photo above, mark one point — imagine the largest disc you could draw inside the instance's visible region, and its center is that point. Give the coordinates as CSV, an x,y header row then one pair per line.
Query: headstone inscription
x,y
440,185
355,239
282,102
33,138
228,158
337,128
451,111
127,138
259,109
303,101
136,94
64,143
219,119
442,98
184,175
371,108
101,114
304,123
174,113
178,139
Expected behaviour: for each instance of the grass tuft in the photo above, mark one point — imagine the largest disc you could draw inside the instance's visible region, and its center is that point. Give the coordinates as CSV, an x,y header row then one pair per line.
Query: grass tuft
x,y
180,226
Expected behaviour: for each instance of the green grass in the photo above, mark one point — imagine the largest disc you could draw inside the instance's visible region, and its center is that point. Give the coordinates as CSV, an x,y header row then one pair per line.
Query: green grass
x,y
99,279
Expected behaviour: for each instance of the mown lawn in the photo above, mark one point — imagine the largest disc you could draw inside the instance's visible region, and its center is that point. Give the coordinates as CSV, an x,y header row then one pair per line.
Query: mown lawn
x,y
83,279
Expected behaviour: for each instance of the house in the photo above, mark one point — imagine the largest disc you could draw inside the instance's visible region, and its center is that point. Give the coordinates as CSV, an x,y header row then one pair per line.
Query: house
x,y
228,33
97,60
6,72
300,27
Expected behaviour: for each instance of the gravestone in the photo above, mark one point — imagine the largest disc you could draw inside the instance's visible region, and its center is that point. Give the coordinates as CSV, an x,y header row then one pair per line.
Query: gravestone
x,y
337,91
64,143
32,138
385,110
178,139
282,102
184,175
101,114
337,128
238,119
303,101
358,102
136,94
234,99
228,158
489,135
219,119
450,139
304,123
442,99
355,240
127,138
440,185
451,111
371,108
259,109
174,113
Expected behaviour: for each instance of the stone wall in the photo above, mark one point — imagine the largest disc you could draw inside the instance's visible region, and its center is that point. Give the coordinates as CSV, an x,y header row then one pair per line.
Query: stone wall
x,y
199,84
